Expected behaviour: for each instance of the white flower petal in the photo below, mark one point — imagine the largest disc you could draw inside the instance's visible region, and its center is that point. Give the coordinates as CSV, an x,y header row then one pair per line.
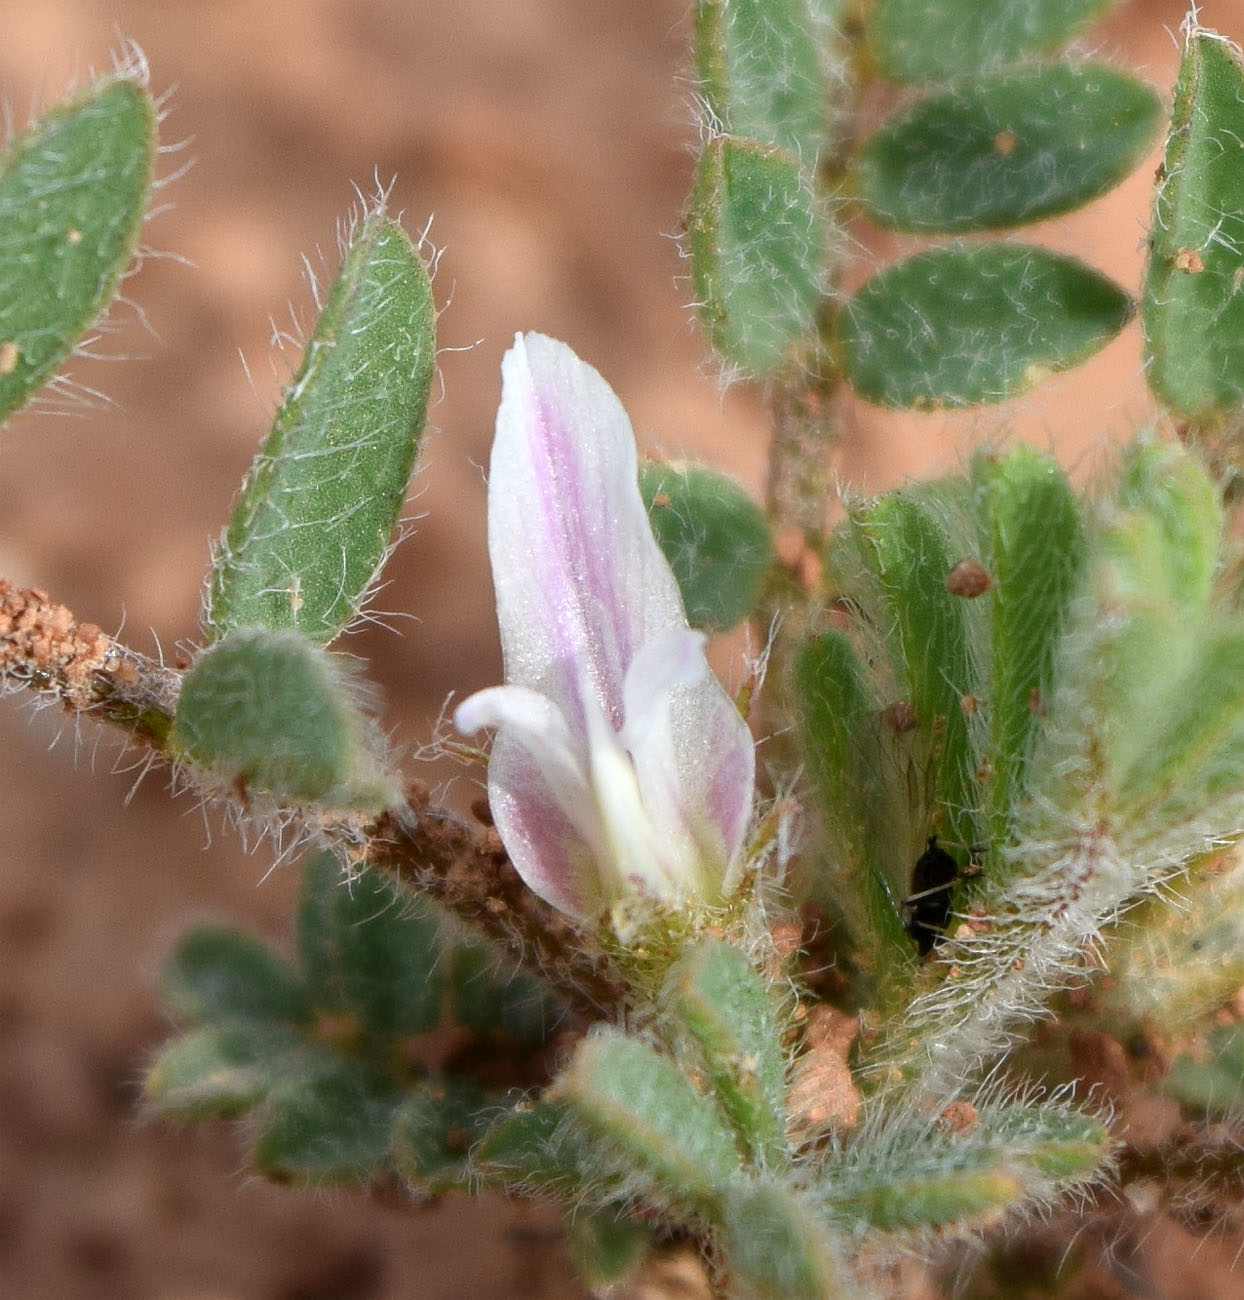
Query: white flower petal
x,y
620,765
581,582
539,795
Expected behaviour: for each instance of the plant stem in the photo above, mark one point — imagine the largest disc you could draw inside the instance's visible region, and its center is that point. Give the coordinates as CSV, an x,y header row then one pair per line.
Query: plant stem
x,y
462,868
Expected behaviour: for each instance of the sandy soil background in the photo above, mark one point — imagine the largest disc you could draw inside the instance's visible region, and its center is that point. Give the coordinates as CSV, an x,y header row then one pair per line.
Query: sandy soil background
x,y
549,143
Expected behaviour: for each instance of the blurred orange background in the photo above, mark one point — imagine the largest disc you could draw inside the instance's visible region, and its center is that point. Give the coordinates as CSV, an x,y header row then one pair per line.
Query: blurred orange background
x,y
547,146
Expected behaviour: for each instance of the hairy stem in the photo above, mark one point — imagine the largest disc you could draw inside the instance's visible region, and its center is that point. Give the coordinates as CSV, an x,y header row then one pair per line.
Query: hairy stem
x,y
462,868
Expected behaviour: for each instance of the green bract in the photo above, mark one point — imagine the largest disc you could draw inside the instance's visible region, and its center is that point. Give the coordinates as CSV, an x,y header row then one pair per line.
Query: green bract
x,y
270,714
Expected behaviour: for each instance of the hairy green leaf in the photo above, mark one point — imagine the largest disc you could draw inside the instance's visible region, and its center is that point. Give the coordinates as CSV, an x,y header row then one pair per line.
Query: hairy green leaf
x,y
760,72
965,324
756,247
853,755
1034,550
436,1126
329,1125
638,1105
73,195
316,512
726,1010
606,1246
779,1248
714,536
930,40
925,626
270,714
222,1071
535,1145
920,1175
1193,305
370,951
489,996
1006,149
217,973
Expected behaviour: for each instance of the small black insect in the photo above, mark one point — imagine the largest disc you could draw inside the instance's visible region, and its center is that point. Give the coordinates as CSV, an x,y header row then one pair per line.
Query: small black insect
x,y
926,910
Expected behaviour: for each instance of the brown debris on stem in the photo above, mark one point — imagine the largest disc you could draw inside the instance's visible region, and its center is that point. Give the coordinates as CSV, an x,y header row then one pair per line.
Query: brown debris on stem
x,y
44,647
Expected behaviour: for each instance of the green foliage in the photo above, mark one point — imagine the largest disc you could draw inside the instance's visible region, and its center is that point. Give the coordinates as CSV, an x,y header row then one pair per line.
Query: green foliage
x,y
1105,736
606,1247
274,715
1176,959
326,1126
908,557
726,1010
929,40
1005,149
536,1146
313,522
714,536
965,324
219,974
317,1055
1193,307
73,194
756,244
1211,1080
437,1125
1170,699
487,999
917,1175
640,1111
858,761
779,1248
370,952
1051,685
1033,544
760,72
923,718
220,1071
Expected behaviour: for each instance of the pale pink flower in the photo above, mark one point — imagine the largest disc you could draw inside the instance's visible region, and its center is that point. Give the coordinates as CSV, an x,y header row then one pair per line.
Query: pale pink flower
x,y
620,766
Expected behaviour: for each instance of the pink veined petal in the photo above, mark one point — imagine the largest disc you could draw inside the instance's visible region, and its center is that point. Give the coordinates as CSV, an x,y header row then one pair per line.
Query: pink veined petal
x,y
539,795
693,754
717,758
580,580
620,765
